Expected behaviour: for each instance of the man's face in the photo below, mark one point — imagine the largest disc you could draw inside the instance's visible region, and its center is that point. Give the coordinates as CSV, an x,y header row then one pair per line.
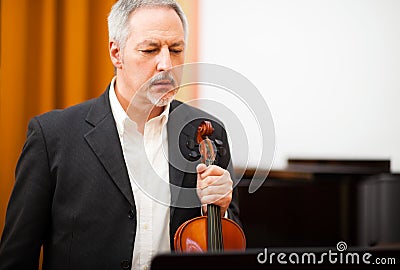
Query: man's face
x,y
155,44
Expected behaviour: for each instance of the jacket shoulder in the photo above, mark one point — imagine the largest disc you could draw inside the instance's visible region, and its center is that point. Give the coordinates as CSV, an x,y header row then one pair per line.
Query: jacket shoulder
x,y
193,112
56,115
90,111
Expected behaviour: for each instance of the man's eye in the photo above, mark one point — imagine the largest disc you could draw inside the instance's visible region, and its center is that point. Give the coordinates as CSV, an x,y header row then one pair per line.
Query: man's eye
x,y
149,51
176,51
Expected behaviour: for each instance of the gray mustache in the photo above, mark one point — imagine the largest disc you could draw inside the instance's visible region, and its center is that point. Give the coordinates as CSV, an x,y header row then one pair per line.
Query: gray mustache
x,y
163,76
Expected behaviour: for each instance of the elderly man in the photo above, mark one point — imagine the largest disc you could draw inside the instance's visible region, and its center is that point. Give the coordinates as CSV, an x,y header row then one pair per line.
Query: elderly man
x,y
79,180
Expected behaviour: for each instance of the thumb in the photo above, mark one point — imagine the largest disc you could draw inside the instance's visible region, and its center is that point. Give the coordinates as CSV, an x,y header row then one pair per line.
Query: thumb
x,y
201,168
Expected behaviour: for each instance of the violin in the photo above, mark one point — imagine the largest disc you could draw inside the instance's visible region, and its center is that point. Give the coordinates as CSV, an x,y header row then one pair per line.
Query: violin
x,y
209,233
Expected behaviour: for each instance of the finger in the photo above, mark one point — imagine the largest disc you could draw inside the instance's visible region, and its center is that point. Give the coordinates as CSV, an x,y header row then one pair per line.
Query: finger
x,y
209,181
220,191
214,171
204,209
201,168
220,200
223,180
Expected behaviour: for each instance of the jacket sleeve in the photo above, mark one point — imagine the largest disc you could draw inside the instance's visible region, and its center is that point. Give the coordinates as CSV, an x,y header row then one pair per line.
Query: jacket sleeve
x,y
29,209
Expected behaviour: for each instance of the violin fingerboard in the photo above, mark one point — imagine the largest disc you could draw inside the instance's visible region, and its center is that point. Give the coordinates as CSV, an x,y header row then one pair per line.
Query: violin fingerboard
x,y
215,241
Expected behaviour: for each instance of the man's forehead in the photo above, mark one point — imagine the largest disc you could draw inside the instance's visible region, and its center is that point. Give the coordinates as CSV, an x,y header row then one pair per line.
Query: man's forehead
x,y
156,24
156,42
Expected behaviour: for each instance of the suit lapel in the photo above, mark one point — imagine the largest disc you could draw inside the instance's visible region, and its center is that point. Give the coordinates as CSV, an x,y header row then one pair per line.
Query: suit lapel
x,y
176,172
180,132
104,141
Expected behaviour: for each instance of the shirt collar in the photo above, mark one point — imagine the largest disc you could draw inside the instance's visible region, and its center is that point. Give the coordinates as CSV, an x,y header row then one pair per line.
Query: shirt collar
x,y
121,116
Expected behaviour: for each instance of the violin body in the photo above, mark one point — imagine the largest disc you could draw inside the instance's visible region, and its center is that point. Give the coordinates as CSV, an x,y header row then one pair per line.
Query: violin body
x,y
192,236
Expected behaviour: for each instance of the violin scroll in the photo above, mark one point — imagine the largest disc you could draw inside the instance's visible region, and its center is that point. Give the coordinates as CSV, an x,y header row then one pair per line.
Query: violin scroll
x,y
204,130
207,148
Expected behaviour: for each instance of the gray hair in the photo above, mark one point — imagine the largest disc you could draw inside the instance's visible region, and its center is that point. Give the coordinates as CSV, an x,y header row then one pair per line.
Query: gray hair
x,y
118,26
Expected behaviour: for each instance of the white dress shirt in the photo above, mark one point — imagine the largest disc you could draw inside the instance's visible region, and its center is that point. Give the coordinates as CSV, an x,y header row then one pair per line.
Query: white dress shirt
x,y
146,160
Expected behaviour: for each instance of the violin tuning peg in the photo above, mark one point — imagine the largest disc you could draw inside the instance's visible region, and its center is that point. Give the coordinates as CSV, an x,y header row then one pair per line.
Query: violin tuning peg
x,y
194,154
221,151
218,142
190,144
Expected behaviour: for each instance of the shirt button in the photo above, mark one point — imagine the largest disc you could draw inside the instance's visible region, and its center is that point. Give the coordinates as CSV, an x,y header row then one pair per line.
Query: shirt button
x,y
145,226
145,268
131,214
125,264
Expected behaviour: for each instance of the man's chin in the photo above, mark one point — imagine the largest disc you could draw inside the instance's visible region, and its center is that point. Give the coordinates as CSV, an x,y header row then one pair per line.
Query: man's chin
x,y
164,100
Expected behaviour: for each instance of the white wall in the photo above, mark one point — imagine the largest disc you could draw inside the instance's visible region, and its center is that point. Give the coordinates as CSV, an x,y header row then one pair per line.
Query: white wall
x,y
329,71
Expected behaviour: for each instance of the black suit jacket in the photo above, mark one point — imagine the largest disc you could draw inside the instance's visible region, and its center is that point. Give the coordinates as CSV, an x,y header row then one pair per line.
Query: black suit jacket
x,y
73,195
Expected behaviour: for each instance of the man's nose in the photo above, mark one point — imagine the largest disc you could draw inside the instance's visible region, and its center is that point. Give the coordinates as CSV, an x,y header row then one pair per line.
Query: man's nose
x,y
164,60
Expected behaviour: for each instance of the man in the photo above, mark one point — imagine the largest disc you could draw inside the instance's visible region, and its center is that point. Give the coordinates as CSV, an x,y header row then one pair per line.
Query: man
x,y
88,185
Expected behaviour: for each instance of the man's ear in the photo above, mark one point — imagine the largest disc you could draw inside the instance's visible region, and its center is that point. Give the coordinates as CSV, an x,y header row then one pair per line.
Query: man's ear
x,y
115,54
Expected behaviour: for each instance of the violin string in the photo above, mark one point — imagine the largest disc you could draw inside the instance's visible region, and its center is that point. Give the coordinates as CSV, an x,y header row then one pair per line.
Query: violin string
x,y
212,240
213,228
219,228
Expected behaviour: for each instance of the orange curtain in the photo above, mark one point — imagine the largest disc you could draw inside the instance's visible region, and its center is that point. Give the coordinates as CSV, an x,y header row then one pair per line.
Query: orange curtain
x,y
191,9
54,53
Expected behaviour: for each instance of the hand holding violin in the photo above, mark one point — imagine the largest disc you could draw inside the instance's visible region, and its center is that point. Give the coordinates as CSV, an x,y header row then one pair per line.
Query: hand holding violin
x,y
214,186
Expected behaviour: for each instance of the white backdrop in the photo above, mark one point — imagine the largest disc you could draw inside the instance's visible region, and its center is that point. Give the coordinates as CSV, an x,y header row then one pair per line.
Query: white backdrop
x,y
329,71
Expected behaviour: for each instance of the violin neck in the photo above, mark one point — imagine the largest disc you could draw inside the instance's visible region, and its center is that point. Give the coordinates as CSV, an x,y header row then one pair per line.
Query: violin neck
x,y
215,241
